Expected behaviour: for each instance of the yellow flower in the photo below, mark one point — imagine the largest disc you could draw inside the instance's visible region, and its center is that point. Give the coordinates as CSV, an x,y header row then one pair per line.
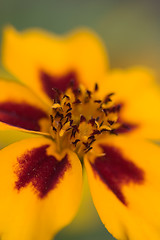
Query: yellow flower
x,y
83,115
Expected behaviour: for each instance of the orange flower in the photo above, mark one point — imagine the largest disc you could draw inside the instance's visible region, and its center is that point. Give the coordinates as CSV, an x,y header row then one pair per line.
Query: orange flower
x,y
80,113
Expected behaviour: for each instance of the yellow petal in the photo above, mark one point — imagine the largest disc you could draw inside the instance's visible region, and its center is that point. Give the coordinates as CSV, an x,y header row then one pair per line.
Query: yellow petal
x,y
19,108
124,183
136,90
44,61
39,189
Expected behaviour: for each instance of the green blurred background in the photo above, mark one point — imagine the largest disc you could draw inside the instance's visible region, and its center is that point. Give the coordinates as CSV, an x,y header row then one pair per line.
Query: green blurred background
x,y
131,32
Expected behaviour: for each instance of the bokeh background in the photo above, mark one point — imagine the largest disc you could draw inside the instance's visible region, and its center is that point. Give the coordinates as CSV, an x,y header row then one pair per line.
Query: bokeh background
x,y
131,32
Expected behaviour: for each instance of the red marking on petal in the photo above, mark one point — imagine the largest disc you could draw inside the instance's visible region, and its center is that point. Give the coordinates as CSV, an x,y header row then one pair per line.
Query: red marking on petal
x,y
43,171
21,115
115,171
116,108
125,128
49,82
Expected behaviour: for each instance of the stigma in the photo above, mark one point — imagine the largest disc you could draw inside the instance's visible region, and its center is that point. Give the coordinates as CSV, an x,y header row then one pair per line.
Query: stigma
x,y
79,118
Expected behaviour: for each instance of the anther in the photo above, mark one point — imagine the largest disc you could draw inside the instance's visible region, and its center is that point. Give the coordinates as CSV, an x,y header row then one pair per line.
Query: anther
x,y
97,119
91,137
92,141
111,94
75,127
96,87
82,119
89,93
74,130
60,125
110,122
108,98
92,121
96,132
73,134
115,108
60,115
104,130
77,101
106,111
69,115
66,121
71,121
66,96
69,110
68,105
88,149
97,101
68,129
86,144
54,129
101,124
51,118
75,142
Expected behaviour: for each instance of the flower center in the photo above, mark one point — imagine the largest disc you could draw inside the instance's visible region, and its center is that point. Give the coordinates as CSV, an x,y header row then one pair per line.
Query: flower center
x,y
79,118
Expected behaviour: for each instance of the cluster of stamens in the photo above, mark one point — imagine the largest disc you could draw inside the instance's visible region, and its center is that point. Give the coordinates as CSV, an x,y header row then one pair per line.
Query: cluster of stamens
x,y
79,118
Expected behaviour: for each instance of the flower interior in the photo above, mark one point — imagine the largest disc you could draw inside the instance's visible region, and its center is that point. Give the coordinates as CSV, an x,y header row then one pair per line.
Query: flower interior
x,y
79,118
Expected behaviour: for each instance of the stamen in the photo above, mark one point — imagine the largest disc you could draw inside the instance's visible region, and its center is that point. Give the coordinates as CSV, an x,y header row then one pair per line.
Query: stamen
x,y
66,96
96,132
88,149
104,130
77,101
101,124
108,98
51,118
75,142
110,122
78,119
82,119
69,105
54,129
91,137
92,121
97,119
97,101
96,87
115,108
69,110
89,93
68,115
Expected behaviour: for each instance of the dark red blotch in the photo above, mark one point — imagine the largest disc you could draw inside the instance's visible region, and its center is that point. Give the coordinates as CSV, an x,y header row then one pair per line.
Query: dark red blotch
x,y
115,170
125,127
49,82
41,170
21,115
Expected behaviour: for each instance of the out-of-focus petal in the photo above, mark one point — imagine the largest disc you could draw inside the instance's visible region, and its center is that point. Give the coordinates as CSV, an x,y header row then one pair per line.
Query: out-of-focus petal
x,y
44,61
40,190
21,109
124,179
137,92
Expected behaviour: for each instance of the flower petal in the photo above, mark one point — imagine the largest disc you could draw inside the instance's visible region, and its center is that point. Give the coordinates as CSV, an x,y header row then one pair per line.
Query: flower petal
x,y
137,92
44,61
124,183
40,189
21,109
